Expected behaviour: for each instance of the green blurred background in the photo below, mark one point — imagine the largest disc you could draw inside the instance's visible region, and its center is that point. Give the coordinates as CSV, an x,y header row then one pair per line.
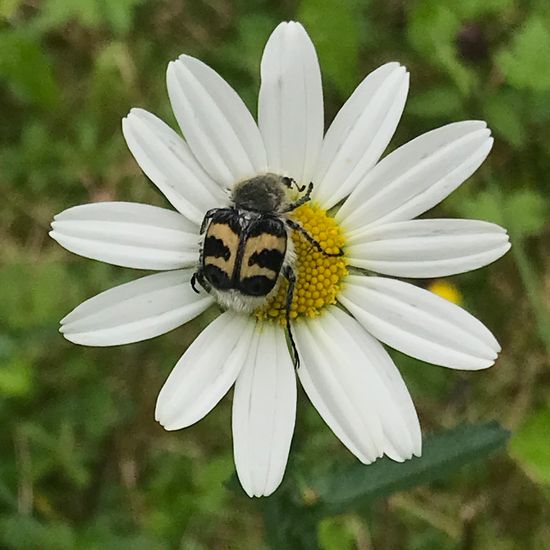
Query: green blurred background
x,y
83,464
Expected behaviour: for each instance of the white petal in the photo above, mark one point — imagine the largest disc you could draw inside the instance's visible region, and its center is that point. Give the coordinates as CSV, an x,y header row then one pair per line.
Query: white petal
x,y
205,372
427,248
216,123
168,162
417,176
351,382
379,359
128,234
290,106
264,412
135,311
419,323
360,133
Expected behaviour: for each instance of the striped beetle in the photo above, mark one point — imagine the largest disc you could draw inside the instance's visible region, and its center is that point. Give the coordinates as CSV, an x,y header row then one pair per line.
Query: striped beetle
x,y
247,246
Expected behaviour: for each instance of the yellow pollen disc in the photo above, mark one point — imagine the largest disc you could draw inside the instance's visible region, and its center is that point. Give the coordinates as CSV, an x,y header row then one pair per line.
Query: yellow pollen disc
x,y
318,277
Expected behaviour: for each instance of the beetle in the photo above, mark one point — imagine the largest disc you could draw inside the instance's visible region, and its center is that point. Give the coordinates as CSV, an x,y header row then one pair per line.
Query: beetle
x,y
247,245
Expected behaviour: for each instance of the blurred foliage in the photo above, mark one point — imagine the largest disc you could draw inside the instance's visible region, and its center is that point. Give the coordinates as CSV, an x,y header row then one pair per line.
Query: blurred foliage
x,y
332,489
342,27
526,447
347,485
84,465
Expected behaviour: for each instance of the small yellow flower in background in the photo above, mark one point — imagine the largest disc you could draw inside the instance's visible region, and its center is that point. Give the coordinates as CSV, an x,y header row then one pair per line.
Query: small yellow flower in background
x,y
446,290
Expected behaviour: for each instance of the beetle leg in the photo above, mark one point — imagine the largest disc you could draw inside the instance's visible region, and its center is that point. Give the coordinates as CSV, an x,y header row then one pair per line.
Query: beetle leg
x,y
289,182
194,283
315,243
209,214
198,277
289,274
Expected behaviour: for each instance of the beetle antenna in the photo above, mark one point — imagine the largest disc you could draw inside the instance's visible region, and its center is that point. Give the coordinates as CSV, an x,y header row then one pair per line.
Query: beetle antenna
x,y
289,182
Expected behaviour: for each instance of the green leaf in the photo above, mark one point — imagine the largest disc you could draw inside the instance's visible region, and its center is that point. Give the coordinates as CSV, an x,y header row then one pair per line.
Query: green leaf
x,y
443,453
523,213
335,534
8,8
432,31
526,213
94,14
27,69
120,14
210,481
505,115
57,451
472,9
253,32
525,62
432,24
484,205
24,532
441,101
37,297
16,376
538,108
56,13
288,524
334,28
530,448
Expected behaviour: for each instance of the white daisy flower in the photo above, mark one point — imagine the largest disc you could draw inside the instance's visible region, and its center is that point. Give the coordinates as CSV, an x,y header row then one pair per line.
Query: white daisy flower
x,y
341,311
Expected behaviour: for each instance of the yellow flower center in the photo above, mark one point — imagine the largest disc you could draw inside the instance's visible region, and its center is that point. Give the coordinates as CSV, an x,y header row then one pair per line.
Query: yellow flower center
x,y
318,276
